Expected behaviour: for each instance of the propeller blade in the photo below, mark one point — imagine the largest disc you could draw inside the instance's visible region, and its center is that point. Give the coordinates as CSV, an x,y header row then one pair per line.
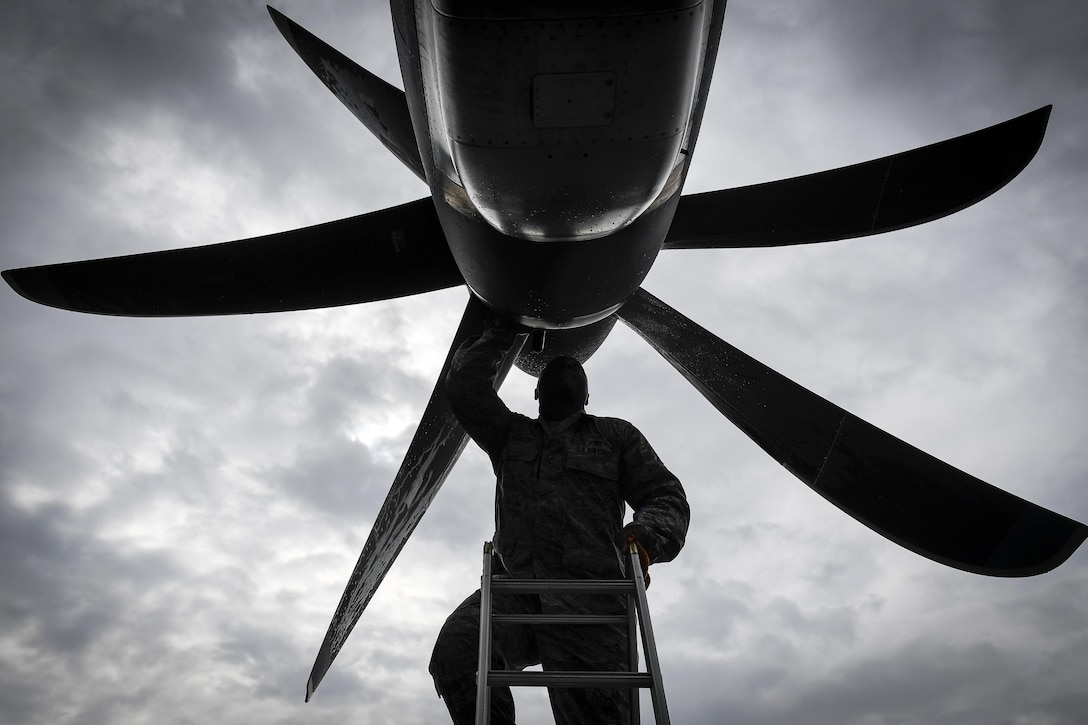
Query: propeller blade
x,y
390,253
437,444
902,493
381,107
876,196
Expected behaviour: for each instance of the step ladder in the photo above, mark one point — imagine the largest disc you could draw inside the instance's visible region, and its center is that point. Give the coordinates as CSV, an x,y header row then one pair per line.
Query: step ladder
x,y
637,610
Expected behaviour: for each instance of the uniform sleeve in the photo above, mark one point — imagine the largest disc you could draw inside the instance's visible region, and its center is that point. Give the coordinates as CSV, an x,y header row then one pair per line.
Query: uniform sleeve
x,y
470,387
659,502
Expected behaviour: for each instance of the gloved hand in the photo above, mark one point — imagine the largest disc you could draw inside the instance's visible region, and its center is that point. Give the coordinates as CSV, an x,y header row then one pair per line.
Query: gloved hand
x,y
494,320
629,535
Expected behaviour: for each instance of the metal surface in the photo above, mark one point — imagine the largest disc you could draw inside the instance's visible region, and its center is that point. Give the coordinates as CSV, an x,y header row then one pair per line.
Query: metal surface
x,y
559,618
483,663
385,254
569,679
567,127
873,197
899,491
649,644
382,108
543,586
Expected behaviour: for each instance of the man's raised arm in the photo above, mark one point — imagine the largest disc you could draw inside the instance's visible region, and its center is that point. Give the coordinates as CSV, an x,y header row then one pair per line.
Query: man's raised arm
x,y
470,385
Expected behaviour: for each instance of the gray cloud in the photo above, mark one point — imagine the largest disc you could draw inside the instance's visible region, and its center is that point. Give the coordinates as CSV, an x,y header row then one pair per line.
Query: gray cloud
x,y
181,501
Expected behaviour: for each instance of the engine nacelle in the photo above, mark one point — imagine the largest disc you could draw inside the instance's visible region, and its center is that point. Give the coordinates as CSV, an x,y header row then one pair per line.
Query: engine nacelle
x,y
560,121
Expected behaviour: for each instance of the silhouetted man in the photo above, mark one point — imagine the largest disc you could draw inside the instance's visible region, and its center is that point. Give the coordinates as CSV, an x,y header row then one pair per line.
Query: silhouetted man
x,y
563,482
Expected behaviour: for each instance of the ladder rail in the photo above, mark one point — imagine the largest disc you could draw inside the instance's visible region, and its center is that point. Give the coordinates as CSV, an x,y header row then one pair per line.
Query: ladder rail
x,y
649,645
483,697
632,659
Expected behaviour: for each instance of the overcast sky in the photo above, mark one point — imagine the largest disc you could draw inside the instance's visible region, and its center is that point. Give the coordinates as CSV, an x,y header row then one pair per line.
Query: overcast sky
x,y
181,501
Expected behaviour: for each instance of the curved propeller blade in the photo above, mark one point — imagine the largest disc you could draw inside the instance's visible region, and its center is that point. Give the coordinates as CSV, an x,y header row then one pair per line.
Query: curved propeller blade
x,y
381,107
876,196
902,493
390,253
437,444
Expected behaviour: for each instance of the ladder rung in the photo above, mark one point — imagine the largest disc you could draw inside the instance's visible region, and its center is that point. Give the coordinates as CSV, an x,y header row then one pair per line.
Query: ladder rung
x,y
551,586
514,678
560,618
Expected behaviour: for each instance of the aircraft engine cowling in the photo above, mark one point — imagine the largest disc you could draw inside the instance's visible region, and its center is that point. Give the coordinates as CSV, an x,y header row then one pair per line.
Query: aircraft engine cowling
x,y
561,121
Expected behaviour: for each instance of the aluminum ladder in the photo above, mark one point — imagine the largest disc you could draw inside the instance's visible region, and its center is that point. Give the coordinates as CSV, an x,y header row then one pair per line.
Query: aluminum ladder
x,y
637,610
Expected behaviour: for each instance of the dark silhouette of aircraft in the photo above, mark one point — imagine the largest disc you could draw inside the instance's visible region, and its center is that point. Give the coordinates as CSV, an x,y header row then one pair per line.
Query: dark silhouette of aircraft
x,y
555,137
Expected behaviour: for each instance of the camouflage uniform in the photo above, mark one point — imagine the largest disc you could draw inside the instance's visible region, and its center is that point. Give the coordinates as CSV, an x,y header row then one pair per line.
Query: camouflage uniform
x,y
559,507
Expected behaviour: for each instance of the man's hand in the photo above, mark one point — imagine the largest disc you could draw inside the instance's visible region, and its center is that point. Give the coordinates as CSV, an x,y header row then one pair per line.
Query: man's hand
x,y
501,328
629,536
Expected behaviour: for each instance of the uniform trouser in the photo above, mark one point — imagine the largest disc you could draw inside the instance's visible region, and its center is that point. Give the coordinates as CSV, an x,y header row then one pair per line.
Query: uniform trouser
x,y
515,647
